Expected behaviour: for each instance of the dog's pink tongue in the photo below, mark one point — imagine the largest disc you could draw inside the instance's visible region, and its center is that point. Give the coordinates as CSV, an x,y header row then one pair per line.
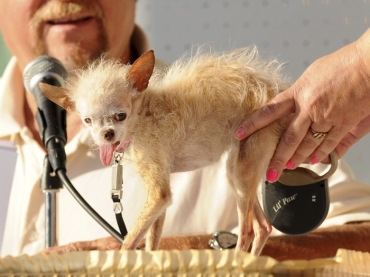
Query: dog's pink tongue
x,y
106,153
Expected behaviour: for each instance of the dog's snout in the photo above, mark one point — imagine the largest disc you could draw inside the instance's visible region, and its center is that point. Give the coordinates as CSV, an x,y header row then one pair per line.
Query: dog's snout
x,y
109,135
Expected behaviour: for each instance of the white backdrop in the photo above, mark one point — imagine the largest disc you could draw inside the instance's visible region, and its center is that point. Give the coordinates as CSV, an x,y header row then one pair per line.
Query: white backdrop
x,y
295,32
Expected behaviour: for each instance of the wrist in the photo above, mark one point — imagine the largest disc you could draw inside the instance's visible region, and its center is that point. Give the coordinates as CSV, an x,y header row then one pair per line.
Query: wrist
x,y
363,47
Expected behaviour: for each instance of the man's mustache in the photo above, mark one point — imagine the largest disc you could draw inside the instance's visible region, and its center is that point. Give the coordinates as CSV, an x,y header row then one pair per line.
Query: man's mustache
x,y
54,10
57,11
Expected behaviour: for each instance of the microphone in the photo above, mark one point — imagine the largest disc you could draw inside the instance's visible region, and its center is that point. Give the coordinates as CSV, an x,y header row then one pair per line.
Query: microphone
x,y
50,117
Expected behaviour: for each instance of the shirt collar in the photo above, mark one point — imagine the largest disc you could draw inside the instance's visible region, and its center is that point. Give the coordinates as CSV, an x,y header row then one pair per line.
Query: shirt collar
x,y
11,100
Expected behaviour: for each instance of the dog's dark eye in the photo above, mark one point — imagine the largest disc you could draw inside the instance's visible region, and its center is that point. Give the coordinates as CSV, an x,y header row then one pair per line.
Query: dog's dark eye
x,y
120,116
87,120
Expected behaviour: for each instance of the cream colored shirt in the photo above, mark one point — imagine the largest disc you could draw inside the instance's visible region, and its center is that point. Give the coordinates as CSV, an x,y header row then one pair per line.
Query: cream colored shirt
x,y
202,199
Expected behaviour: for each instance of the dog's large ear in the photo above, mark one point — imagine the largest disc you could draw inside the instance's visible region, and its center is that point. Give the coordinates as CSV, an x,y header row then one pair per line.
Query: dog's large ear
x,y
58,95
141,70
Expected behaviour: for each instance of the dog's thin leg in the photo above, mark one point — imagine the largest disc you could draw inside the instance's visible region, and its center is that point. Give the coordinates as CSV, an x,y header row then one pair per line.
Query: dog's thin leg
x,y
155,231
246,234
246,168
244,197
255,228
261,227
253,225
159,197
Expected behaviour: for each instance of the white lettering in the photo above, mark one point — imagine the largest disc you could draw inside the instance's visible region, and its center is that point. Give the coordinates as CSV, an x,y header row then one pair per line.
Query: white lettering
x,y
277,207
286,200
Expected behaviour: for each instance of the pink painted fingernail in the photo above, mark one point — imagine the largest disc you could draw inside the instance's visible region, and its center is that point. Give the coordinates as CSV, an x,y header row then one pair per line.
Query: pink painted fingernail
x,y
289,164
314,160
240,132
271,175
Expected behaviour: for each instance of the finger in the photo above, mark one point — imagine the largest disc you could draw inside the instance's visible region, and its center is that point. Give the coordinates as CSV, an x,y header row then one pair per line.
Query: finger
x,y
353,136
71,247
312,140
328,145
281,105
287,145
109,243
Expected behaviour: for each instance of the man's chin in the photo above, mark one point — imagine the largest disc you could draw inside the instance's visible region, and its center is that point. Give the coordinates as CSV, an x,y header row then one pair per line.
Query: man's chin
x,y
73,60
73,57
72,54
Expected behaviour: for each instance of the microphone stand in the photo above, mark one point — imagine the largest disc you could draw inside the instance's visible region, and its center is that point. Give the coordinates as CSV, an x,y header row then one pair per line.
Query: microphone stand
x,y
50,185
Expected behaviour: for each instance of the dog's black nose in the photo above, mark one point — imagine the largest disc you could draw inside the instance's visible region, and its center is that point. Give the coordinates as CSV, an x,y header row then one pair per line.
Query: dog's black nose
x,y
109,135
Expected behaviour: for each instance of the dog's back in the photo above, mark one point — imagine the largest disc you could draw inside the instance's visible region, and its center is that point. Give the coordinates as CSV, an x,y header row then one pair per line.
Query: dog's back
x,y
230,84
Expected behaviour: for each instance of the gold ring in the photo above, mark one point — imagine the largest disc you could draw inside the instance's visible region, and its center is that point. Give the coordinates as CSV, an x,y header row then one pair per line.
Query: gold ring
x,y
318,135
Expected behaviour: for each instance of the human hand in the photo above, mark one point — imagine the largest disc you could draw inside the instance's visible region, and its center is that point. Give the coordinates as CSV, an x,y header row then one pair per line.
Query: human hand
x,y
331,97
183,242
109,243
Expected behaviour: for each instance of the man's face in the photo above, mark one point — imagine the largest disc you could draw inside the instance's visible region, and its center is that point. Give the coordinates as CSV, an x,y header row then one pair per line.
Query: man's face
x,y
72,31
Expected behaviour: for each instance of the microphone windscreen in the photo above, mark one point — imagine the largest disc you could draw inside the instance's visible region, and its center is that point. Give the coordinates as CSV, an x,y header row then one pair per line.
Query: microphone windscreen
x,y
41,66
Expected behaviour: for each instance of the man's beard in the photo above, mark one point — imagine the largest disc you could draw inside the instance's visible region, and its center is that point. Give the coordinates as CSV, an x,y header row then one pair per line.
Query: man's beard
x,y
79,56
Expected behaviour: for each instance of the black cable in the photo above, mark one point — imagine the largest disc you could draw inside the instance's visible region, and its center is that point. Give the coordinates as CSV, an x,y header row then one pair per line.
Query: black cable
x,y
119,218
62,175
